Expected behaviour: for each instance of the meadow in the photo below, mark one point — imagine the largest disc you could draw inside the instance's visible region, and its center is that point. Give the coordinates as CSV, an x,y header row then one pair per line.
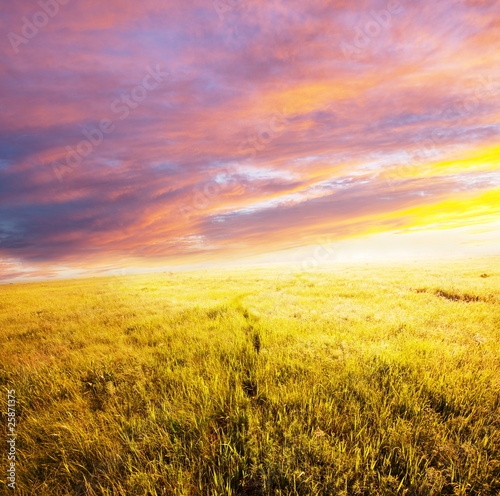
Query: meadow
x,y
361,379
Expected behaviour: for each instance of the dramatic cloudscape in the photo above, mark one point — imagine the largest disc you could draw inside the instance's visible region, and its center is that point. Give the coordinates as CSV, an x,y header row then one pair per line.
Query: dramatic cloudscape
x,y
148,134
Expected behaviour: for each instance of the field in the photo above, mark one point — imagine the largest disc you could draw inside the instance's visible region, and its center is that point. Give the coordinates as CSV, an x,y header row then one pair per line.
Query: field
x,y
356,380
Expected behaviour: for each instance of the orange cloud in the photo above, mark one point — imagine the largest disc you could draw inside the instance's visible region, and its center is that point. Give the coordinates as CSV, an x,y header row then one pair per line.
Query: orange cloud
x,y
262,135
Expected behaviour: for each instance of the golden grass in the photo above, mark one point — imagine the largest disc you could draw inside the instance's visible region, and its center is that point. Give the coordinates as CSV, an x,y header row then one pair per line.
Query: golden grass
x,y
359,380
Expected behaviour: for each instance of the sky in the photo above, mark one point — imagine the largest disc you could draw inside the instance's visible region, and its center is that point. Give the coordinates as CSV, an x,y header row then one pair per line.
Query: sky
x,y
165,134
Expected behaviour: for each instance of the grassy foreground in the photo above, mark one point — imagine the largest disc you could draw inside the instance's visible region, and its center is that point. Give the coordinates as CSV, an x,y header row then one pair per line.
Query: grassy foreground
x,y
360,380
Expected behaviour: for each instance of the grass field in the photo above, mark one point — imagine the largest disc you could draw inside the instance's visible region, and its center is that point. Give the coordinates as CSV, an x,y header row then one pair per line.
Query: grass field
x,y
359,380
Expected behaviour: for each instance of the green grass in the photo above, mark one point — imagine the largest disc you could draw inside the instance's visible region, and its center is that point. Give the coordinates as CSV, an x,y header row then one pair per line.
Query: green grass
x,y
362,380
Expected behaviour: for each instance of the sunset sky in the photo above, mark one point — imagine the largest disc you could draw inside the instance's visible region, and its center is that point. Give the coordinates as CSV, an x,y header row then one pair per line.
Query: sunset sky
x,y
137,135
